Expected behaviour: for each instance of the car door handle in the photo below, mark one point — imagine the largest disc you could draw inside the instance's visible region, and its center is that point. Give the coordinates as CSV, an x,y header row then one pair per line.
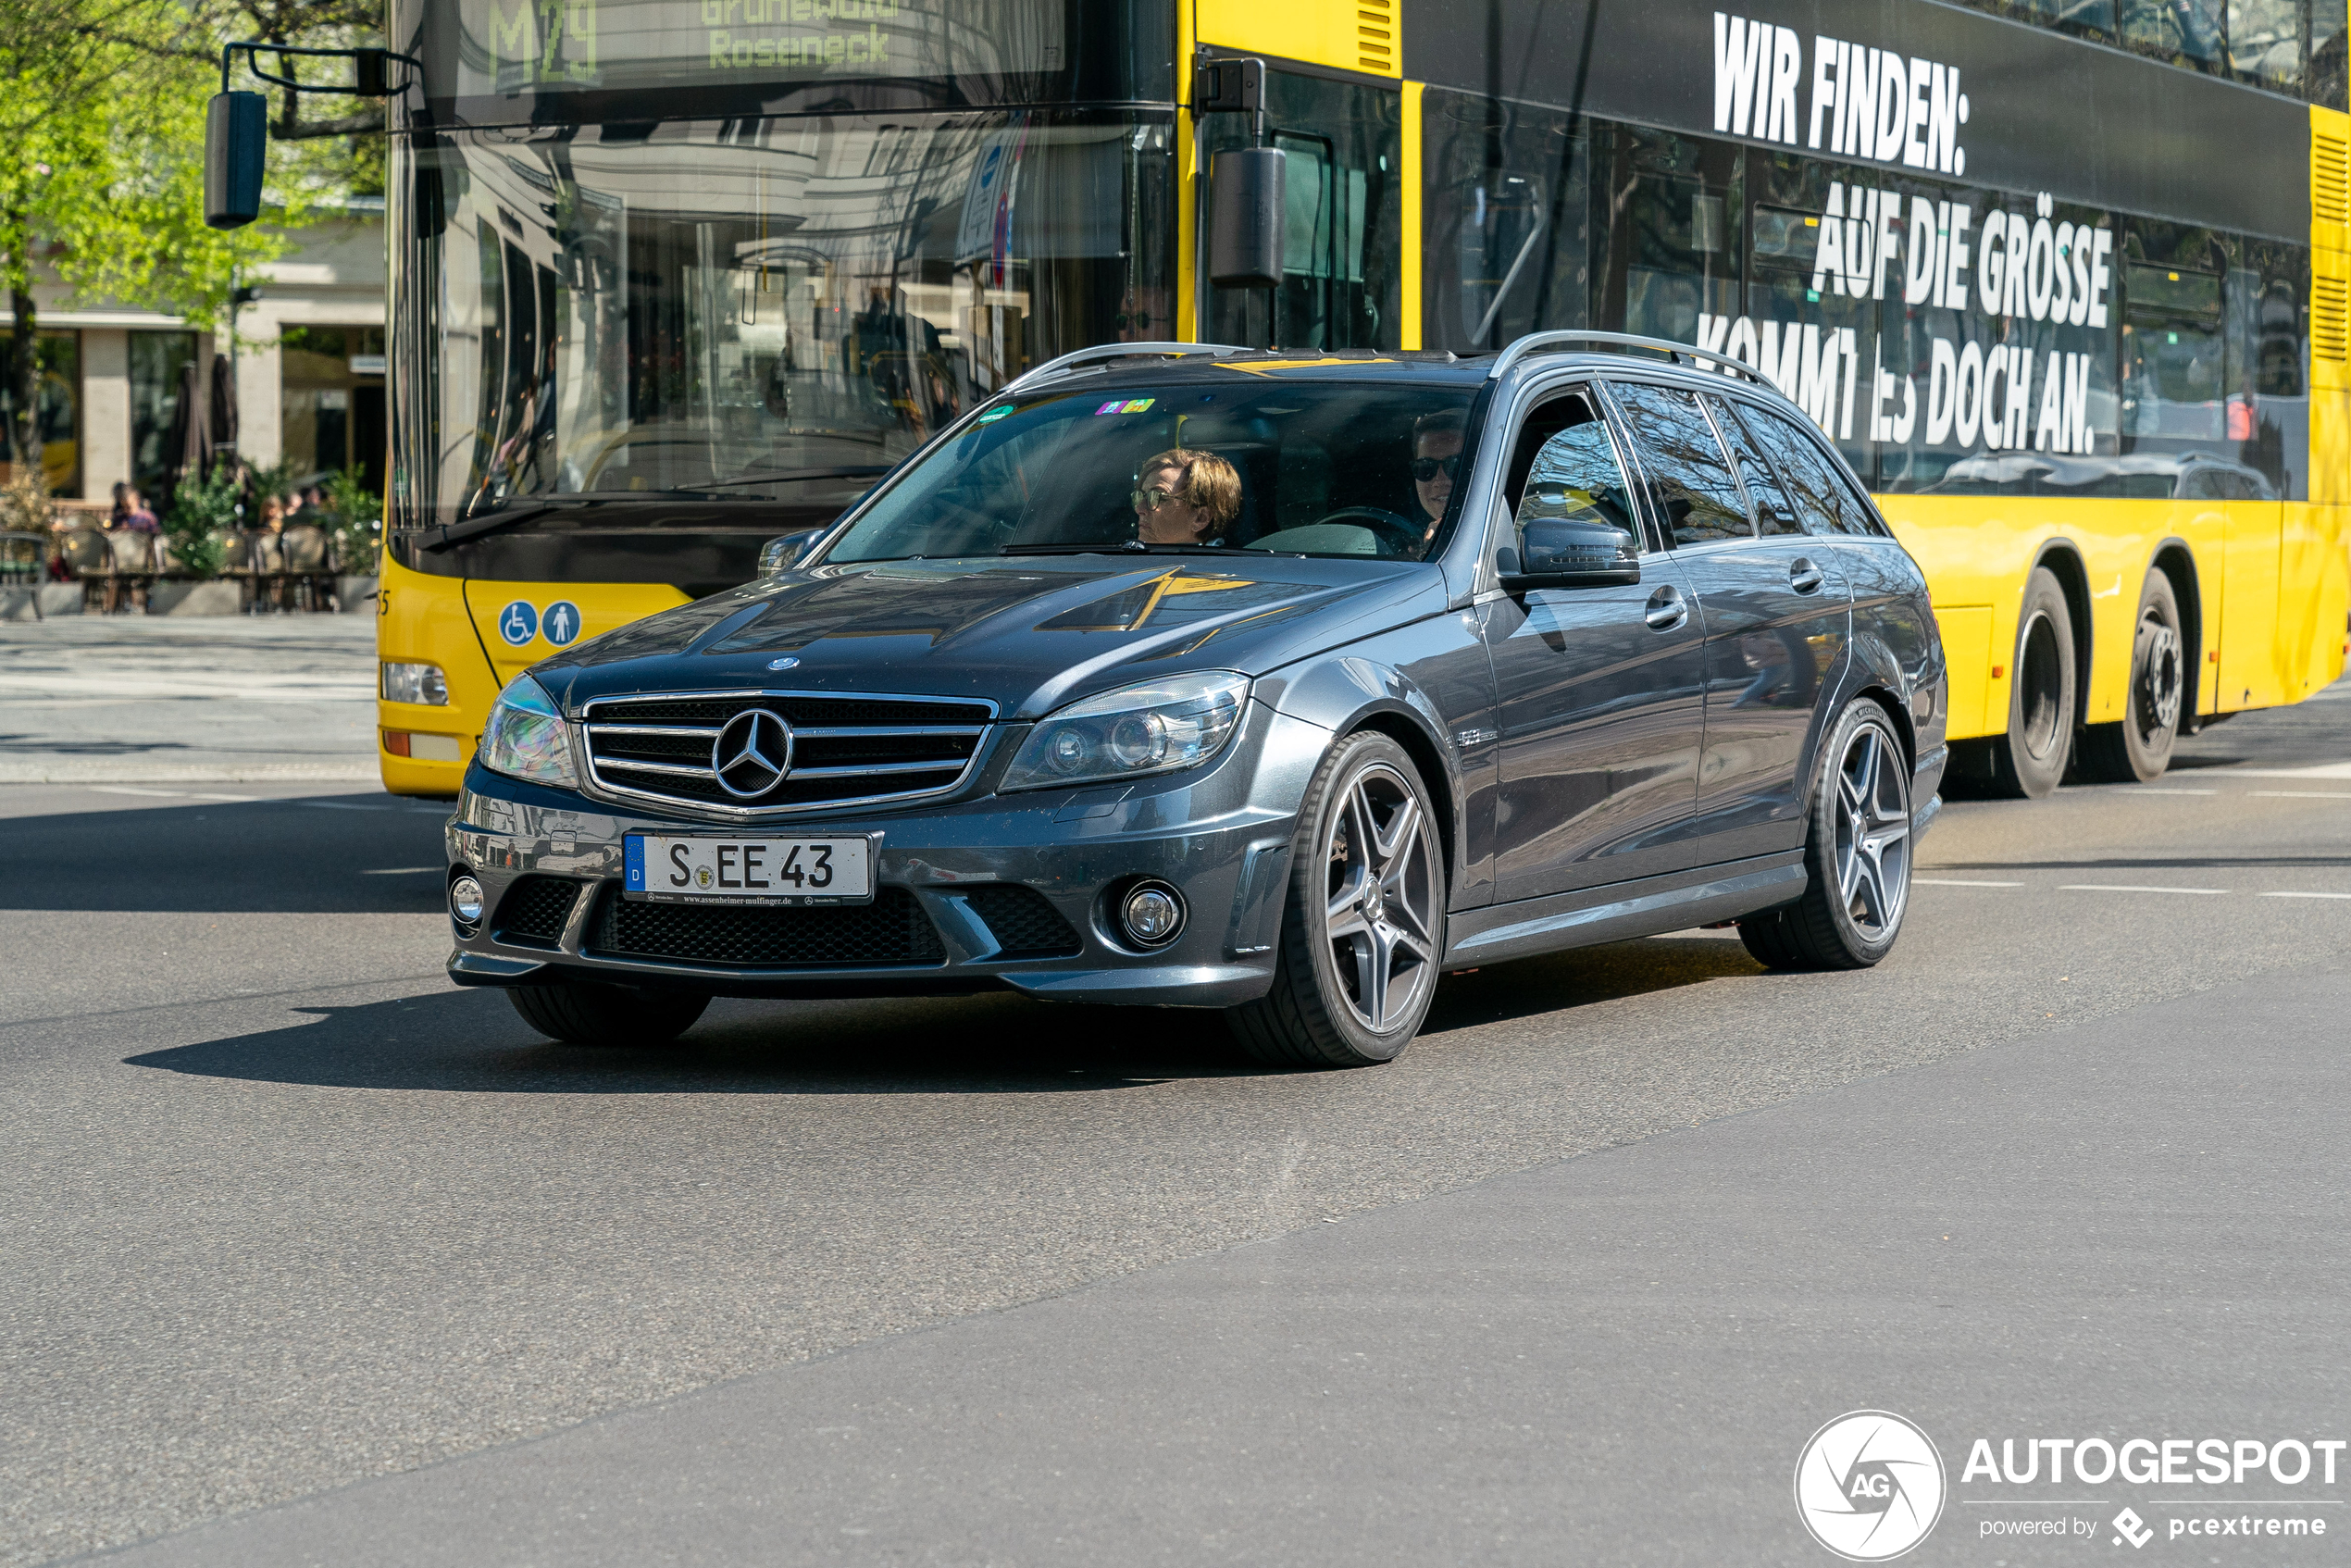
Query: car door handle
x,y
1666,609
1804,576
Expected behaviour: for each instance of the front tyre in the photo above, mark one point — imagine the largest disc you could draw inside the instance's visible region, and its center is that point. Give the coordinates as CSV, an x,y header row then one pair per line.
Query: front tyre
x,y
1857,851
1363,926
2139,748
610,1017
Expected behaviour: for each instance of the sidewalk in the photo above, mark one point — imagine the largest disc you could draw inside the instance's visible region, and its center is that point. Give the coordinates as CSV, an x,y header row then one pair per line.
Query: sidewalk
x,y
134,698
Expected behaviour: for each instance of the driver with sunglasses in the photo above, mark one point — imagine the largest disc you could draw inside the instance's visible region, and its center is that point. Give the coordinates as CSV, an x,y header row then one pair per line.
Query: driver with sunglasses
x,y
1437,458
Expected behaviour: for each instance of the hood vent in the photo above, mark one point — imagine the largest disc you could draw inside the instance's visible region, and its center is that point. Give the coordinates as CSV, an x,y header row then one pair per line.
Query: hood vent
x,y
844,751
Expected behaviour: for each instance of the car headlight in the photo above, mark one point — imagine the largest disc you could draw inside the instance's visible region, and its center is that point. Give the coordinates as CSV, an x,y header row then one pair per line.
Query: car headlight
x,y
414,683
1154,727
525,737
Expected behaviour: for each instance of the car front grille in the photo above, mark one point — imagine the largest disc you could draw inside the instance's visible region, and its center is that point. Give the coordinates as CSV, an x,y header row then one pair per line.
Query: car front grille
x,y
1024,922
533,911
851,750
890,930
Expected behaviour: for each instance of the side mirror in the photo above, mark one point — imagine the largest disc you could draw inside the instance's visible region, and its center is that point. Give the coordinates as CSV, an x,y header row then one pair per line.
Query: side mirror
x,y
1245,217
782,553
236,145
1570,553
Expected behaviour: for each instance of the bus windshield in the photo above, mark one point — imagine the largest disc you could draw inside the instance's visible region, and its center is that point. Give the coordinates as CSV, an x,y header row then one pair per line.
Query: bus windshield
x,y
1301,467
756,310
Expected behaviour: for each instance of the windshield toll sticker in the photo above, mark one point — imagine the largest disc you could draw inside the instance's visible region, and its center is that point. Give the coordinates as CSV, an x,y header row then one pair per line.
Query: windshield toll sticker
x,y
1125,406
518,622
561,623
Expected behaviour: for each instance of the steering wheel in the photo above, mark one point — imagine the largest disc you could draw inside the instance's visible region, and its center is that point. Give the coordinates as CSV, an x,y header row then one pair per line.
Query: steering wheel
x,y
1398,535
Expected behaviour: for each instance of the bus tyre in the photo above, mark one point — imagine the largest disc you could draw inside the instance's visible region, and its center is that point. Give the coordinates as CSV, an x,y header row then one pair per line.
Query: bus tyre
x,y
613,1016
1857,851
1364,925
2029,761
2139,748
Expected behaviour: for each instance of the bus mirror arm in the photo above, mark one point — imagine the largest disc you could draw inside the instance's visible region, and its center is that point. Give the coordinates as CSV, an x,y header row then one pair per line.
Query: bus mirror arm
x,y
236,141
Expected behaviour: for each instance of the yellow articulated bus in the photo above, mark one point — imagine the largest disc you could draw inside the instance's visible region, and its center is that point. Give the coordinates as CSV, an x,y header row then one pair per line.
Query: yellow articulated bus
x,y
672,278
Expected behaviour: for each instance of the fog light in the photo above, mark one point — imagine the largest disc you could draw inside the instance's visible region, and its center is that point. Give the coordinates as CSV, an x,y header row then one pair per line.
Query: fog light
x,y
464,904
1152,913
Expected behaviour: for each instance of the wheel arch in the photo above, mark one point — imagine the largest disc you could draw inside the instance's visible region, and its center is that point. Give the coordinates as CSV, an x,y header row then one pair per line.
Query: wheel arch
x,y
1408,731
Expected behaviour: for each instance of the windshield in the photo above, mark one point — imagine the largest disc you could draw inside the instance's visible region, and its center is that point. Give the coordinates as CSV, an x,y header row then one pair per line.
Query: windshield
x,y
1304,468
748,310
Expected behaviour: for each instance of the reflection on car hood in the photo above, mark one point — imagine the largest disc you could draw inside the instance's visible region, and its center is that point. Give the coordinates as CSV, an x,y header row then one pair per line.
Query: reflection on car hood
x,y
1027,633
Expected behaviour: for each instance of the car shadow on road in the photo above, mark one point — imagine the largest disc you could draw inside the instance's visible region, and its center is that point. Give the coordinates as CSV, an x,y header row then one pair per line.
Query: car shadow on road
x,y
470,1041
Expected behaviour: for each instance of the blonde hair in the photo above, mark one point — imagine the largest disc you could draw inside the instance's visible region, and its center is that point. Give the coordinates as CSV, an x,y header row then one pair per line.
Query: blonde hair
x,y
1203,479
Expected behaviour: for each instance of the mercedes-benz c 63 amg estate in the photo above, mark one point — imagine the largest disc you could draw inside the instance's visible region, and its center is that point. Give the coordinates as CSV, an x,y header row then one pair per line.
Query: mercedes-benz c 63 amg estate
x,y
1195,677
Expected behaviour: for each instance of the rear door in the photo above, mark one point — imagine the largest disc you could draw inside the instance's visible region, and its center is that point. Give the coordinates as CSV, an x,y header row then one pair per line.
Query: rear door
x,y
1599,690
1776,609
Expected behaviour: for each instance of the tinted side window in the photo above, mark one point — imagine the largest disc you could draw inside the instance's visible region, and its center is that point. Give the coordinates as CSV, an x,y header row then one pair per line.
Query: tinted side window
x,y
1774,512
1824,502
1688,474
1575,477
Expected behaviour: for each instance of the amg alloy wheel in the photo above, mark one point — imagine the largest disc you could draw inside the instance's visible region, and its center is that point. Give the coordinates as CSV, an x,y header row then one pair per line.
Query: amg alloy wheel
x,y
1857,854
1363,931
2139,748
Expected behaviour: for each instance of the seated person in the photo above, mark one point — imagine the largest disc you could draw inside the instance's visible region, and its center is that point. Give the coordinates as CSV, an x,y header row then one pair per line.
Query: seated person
x,y
1186,497
1437,462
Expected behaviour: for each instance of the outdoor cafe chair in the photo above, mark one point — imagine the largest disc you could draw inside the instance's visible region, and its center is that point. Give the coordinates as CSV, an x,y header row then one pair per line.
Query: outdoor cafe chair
x,y
305,546
89,559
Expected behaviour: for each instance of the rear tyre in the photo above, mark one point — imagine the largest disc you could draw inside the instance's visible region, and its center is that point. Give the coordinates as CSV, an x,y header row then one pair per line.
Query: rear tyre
x,y
2029,761
608,1017
1363,926
2139,748
1857,851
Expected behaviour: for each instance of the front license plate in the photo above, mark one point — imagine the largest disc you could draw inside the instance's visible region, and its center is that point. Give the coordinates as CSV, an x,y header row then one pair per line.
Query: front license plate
x,y
665,870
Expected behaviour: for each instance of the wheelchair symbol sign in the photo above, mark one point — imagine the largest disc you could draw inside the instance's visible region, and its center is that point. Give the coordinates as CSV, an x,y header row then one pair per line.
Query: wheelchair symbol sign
x,y
561,623
518,622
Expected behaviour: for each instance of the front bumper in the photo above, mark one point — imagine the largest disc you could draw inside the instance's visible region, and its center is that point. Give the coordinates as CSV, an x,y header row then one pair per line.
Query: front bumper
x,y
1222,839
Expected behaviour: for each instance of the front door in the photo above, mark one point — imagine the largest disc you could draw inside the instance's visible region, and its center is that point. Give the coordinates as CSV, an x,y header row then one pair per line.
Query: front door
x,y
1599,690
1775,607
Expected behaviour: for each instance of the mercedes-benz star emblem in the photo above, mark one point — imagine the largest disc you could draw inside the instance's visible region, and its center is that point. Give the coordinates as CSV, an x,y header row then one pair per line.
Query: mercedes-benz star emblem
x,y
751,753
786,662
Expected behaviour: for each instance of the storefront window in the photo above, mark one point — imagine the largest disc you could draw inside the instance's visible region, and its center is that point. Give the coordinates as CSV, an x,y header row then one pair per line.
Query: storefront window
x,y
157,362
60,415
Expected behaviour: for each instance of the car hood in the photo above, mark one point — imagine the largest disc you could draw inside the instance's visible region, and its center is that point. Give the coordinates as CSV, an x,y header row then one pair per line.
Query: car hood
x,y
1027,633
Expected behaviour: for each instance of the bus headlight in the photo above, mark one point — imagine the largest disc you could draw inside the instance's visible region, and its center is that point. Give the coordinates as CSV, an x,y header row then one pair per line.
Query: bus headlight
x,y
1155,728
414,683
526,737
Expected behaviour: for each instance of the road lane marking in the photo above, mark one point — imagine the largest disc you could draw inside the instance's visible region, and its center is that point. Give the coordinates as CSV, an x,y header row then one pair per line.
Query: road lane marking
x,y
2129,888
2306,895
2143,789
1957,882
127,790
2325,770
2299,794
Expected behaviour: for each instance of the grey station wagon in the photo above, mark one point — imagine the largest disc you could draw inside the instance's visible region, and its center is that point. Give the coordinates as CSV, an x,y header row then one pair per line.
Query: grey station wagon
x,y
1201,676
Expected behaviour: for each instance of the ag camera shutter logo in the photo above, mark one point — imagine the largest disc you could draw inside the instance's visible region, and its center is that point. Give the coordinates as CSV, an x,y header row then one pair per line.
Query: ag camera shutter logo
x,y
1870,1486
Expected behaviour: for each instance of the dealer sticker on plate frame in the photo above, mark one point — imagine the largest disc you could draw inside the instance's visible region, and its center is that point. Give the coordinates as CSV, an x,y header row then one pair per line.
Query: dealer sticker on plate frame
x,y
837,869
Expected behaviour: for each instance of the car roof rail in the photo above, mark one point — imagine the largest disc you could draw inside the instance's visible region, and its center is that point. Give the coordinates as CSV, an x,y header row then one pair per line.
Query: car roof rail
x,y
1536,342
1103,352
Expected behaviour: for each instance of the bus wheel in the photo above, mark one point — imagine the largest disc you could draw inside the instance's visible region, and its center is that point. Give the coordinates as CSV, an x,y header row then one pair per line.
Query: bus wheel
x,y
579,1013
2139,748
2029,761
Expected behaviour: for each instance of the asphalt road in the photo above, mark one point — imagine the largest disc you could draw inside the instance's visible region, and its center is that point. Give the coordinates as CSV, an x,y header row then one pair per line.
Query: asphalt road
x,y
289,1222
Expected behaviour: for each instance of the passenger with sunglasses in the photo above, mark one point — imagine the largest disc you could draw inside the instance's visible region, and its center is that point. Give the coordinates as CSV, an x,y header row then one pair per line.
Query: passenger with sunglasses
x,y
1186,497
1437,460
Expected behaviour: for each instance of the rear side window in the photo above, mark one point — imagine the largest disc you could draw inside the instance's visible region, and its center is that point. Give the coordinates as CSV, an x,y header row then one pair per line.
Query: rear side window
x,y
1687,470
1774,512
1824,502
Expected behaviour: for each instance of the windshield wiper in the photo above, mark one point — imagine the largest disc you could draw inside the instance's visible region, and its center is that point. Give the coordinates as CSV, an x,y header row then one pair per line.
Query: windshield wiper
x,y
780,475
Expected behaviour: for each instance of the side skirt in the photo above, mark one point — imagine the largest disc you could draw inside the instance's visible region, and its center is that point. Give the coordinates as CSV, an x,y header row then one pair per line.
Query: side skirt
x,y
1611,913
